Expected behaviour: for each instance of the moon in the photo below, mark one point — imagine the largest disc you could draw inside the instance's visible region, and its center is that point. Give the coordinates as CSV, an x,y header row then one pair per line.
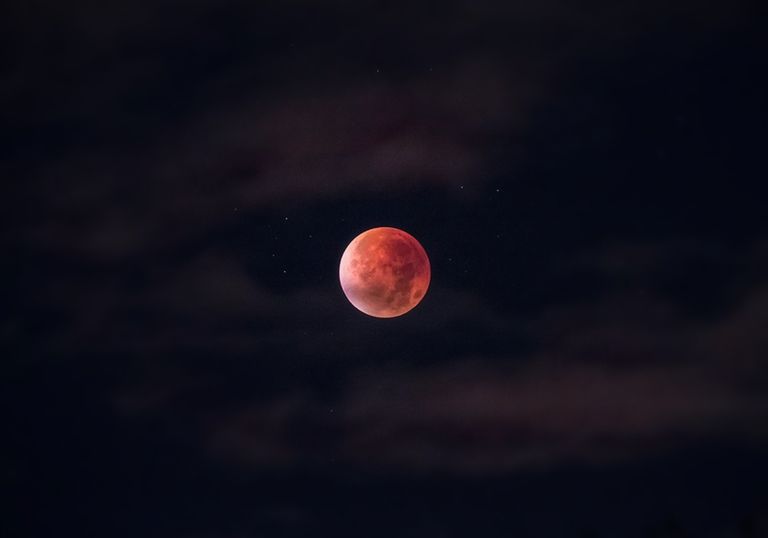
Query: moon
x,y
384,272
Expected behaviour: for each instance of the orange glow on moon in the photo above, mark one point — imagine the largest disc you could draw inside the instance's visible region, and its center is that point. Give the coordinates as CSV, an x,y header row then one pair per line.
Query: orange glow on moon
x,y
384,272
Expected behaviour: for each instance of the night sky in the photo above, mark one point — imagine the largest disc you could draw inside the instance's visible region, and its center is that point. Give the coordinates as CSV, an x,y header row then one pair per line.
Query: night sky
x,y
180,179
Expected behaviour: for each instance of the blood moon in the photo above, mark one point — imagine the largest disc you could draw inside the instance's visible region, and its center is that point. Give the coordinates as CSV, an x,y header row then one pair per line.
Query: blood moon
x,y
384,272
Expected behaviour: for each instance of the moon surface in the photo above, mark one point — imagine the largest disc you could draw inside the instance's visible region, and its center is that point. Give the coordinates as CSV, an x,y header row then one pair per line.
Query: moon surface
x,y
384,272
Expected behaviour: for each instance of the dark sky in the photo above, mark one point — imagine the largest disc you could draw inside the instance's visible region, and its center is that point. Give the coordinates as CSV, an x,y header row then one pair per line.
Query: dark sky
x,y
179,180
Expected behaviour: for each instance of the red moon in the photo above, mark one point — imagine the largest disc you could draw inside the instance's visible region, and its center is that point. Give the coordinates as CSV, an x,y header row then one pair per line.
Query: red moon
x,y
384,272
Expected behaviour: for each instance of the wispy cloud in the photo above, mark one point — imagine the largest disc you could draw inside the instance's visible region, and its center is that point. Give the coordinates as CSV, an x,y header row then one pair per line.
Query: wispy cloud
x,y
626,376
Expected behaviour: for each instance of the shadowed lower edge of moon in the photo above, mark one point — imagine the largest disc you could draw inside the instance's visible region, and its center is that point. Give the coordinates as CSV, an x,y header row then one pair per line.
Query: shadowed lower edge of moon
x,y
378,303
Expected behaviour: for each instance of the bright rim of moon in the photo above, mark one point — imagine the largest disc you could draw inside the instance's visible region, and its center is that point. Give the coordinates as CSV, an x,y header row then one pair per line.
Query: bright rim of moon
x,y
384,272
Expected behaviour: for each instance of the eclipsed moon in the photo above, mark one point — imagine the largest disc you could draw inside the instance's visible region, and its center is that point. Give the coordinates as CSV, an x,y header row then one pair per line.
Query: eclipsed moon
x,y
384,272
